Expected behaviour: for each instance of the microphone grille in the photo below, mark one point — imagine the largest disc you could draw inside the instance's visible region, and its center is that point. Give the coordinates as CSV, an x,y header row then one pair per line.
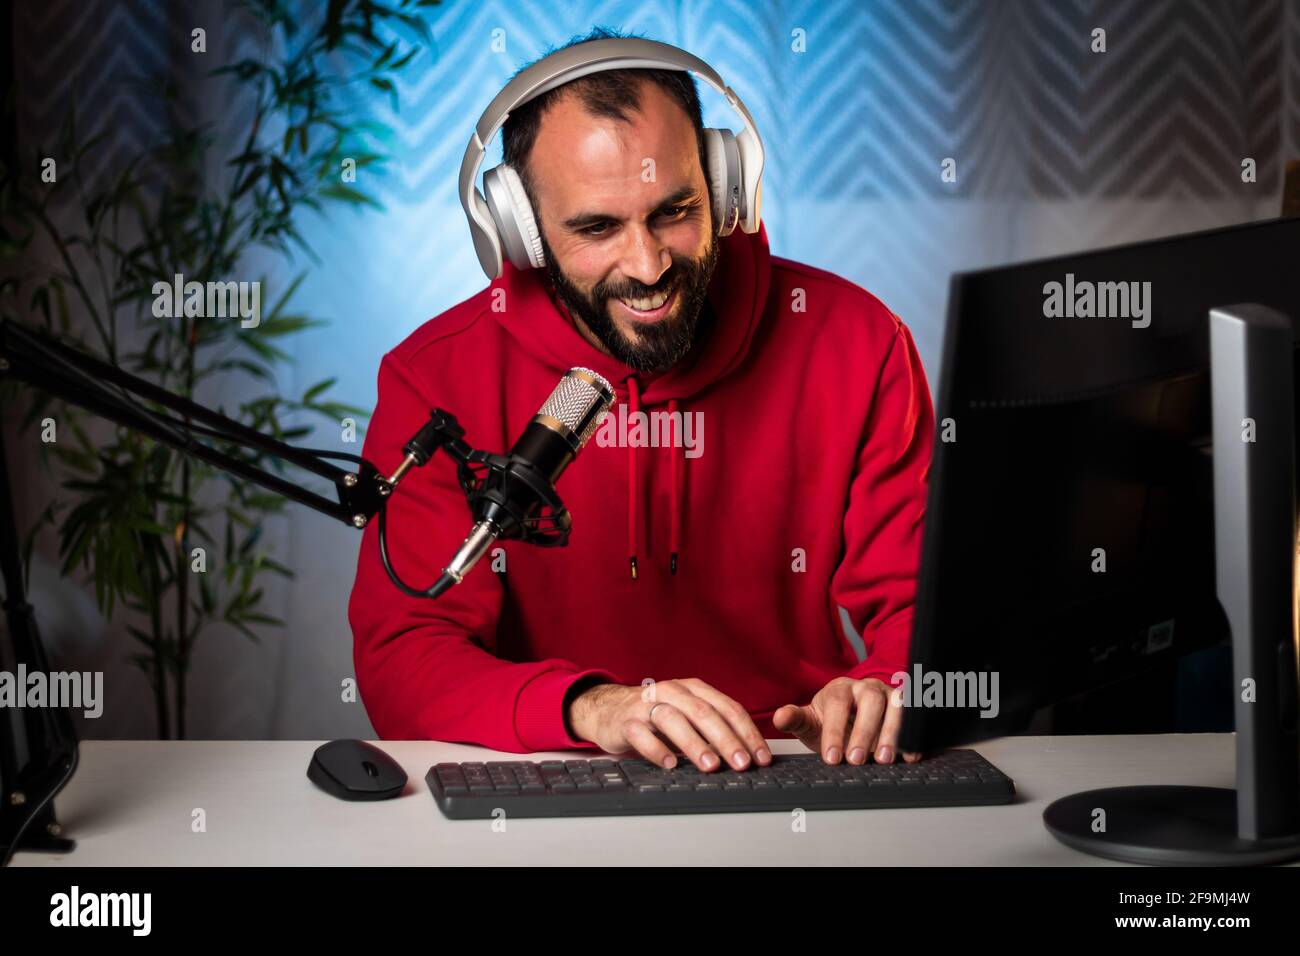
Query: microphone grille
x,y
578,403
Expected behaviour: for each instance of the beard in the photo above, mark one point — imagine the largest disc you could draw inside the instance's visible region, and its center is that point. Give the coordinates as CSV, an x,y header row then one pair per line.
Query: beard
x,y
654,346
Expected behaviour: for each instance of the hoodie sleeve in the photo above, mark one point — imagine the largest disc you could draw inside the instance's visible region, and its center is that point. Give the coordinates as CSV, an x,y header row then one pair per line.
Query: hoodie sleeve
x,y
425,668
876,579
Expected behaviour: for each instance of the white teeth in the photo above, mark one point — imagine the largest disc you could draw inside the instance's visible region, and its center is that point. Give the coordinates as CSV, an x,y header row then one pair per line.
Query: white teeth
x,y
647,305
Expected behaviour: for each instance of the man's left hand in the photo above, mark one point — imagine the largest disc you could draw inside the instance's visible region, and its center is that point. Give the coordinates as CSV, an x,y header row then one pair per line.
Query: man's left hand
x,y
869,705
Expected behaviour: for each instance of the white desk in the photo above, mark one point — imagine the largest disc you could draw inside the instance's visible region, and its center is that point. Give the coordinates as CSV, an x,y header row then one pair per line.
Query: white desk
x,y
131,803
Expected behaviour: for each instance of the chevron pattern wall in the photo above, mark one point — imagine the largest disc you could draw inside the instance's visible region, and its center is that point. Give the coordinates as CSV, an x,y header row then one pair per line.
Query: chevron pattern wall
x,y
859,102
1056,147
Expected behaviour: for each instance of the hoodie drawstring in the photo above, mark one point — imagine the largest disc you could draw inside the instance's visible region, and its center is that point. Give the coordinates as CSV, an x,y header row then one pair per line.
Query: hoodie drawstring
x,y
633,511
675,506
634,482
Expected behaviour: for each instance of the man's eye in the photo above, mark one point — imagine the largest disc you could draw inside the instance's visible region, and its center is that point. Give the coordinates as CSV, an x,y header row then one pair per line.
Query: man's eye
x,y
596,230
673,212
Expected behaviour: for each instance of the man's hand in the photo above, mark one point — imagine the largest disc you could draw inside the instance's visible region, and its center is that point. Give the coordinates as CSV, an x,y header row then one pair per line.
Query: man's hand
x,y
699,720
870,705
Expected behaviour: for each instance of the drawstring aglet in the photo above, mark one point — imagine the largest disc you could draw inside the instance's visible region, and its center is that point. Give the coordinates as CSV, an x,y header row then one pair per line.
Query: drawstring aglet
x,y
672,563
633,561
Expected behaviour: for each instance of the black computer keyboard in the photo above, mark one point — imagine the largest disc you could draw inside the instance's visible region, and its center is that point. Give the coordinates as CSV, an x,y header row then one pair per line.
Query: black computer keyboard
x,y
608,787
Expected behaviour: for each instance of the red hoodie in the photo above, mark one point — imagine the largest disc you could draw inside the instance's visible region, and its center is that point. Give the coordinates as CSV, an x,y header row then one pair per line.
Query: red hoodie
x,y
805,490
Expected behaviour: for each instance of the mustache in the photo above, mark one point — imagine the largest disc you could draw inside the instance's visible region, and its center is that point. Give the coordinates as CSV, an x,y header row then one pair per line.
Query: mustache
x,y
638,290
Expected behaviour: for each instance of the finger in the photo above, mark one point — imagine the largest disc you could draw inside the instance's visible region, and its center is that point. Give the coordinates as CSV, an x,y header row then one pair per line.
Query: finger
x,y
911,757
887,745
739,719
706,719
801,722
866,726
641,737
673,724
837,704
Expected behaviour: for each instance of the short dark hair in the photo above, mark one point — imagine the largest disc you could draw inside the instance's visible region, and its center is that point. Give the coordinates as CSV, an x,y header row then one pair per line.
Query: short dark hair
x,y
610,93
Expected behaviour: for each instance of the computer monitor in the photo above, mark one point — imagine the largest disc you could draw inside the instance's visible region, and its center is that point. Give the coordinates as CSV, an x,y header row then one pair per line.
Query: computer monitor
x,y
1070,528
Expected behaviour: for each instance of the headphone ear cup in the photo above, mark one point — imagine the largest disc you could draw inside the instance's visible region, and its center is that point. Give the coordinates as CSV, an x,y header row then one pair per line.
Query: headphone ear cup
x,y
722,157
513,215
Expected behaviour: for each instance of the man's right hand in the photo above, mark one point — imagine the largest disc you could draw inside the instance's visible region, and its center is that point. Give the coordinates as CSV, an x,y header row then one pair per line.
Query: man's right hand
x,y
699,720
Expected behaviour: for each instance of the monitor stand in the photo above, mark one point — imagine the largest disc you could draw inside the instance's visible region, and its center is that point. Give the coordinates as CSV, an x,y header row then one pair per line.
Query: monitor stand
x,y
1252,349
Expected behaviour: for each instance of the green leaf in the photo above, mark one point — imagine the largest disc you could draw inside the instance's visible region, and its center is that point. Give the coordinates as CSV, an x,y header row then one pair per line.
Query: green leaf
x,y
246,631
286,325
404,58
350,195
385,84
317,389
276,567
144,637
263,619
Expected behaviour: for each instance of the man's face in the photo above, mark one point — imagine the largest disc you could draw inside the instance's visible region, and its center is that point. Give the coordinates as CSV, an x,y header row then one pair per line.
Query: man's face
x,y
627,226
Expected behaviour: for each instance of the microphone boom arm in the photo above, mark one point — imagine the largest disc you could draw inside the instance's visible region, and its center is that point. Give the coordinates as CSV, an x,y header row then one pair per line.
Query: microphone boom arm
x,y
39,753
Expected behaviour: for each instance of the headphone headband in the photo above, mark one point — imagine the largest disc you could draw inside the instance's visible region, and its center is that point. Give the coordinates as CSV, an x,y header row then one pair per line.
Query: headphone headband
x,y
570,63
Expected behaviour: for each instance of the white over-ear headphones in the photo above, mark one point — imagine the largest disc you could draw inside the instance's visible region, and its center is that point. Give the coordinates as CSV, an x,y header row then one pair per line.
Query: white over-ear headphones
x,y
734,163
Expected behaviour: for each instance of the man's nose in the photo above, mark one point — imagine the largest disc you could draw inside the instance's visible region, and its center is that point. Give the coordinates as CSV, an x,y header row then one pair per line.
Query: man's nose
x,y
645,257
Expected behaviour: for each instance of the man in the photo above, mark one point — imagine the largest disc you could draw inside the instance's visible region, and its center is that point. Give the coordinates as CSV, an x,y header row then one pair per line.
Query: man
x,y
695,608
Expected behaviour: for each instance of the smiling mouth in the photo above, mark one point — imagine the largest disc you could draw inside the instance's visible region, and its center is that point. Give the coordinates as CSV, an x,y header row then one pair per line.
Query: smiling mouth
x,y
649,308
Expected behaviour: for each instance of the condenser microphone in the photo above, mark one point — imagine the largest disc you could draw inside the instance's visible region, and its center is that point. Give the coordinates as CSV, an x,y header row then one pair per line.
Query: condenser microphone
x,y
505,505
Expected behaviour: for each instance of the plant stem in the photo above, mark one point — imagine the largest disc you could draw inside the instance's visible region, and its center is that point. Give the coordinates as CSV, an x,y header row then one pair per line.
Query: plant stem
x,y
182,567
159,654
110,347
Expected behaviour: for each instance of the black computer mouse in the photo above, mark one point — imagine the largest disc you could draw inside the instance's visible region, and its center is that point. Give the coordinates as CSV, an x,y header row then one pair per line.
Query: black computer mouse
x,y
355,770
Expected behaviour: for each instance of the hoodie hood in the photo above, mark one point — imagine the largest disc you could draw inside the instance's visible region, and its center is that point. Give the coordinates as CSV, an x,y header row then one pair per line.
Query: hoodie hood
x,y
737,295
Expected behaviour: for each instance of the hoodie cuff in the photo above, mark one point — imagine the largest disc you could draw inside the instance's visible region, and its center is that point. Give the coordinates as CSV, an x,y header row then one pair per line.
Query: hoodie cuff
x,y
539,710
890,653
